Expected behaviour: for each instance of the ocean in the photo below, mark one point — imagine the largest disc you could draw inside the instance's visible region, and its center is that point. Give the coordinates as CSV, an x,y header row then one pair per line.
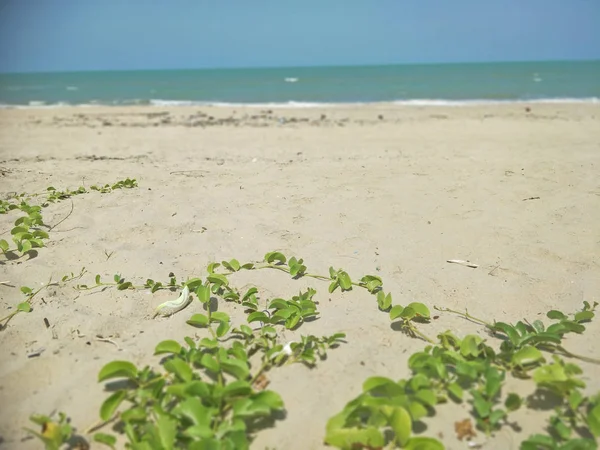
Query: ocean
x,y
306,86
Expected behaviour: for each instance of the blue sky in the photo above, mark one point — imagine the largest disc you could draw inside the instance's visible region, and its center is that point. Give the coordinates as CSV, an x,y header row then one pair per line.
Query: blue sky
x,y
56,35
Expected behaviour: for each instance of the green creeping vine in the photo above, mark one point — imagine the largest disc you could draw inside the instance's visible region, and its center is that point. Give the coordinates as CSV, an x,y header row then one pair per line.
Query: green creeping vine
x,y
210,392
27,234
452,369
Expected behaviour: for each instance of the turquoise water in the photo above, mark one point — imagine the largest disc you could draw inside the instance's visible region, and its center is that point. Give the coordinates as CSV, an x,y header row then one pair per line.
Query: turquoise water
x,y
433,83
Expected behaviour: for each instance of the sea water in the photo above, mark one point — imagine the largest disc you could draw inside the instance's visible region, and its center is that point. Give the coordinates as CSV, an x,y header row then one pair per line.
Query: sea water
x,y
306,86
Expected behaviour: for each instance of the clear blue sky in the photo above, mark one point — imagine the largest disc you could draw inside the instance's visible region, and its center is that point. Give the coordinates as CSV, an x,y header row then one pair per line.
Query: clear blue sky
x,y
54,35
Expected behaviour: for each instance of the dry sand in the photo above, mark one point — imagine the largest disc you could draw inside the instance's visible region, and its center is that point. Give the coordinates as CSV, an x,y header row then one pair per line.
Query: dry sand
x,y
395,195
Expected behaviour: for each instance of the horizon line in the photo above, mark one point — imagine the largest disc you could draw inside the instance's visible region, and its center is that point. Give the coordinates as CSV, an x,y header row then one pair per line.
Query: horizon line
x,y
298,66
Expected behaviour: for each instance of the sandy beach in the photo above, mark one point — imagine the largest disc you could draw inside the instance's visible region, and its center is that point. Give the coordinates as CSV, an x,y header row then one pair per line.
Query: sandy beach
x,y
381,189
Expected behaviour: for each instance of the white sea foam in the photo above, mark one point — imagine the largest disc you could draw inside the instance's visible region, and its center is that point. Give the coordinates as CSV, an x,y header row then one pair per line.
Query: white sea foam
x,y
433,102
295,104
291,80
72,88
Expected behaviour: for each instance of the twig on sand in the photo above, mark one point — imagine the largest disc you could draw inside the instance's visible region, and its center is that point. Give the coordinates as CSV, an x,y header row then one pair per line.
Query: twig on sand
x,y
68,215
463,263
101,338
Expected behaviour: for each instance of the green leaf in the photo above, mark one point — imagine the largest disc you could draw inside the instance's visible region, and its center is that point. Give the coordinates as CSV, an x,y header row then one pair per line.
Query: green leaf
x,y
223,328
168,346
106,439
180,368
344,281
210,363
555,315
275,256
348,438
257,316
416,410
219,317
420,309
579,444
212,266
25,246
17,230
167,430
110,405
509,331
423,443
117,369
278,303
198,321
401,423
24,307
124,285
573,327
270,399
470,346
526,356
496,416
455,391
482,406
333,286
218,279
408,313
395,312
427,396
513,402
203,293
593,420
3,245
237,388
537,442
194,410
235,264
584,316
384,301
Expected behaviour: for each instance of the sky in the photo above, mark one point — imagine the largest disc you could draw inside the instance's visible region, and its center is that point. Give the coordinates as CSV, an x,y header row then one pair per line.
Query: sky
x,y
72,35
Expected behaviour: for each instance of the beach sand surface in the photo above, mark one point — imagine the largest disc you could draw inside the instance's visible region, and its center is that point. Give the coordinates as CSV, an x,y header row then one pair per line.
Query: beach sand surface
x,y
389,190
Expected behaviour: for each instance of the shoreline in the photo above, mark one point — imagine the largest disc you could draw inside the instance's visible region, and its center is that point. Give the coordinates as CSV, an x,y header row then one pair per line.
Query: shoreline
x,y
158,103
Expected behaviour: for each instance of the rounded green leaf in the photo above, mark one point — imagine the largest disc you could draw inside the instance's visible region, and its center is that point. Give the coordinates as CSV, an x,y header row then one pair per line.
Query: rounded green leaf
x,y
269,398
180,368
395,312
257,316
117,369
198,321
470,346
237,388
401,423
110,405
168,346
420,309
210,362
526,356
24,307
106,439
593,420
555,315
219,317
344,281
584,315
423,443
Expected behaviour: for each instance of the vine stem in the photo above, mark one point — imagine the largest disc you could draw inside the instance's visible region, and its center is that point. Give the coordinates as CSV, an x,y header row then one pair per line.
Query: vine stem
x,y
573,355
466,315
416,331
